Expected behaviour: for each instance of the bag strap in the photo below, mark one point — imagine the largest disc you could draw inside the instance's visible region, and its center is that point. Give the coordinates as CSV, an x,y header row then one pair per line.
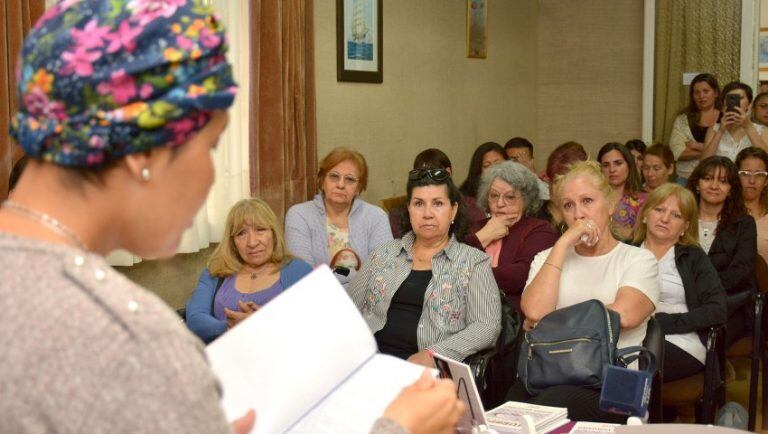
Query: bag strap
x,y
623,357
215,291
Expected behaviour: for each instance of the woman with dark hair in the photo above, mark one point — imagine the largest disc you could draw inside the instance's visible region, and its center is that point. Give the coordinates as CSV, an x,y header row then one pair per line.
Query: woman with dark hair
x,y
558,162
637,149
726,232
760,109
734,131
511,236
485,156
618,166
431,158
753,174
658,166
690,128
427,291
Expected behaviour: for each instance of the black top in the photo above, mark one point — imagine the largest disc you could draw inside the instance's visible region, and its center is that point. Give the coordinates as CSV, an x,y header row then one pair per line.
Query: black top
x,y
704,295
733,255
398,337
699,132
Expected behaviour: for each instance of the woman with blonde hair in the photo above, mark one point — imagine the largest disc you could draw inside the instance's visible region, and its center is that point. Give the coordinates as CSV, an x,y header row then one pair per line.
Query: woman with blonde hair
x,y
691,298
249,267
586,263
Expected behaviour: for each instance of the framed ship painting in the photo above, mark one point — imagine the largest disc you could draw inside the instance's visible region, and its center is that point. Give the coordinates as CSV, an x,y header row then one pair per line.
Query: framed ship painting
x,y
359,41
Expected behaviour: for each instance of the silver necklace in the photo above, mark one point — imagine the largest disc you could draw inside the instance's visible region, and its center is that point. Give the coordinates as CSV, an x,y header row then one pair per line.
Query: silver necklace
x,y
45,220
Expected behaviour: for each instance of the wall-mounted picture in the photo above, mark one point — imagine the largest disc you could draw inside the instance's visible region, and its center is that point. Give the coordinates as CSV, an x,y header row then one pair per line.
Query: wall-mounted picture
x,y
359,41
477,33
762,53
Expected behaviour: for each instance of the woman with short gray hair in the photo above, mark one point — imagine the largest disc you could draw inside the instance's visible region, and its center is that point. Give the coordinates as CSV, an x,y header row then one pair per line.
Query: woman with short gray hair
x,y
511,236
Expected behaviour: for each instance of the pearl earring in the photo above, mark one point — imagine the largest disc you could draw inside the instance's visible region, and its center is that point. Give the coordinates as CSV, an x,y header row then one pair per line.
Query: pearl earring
x,y
145,175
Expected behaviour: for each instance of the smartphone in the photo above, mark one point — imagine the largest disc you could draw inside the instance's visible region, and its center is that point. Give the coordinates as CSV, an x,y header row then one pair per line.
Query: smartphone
x,y
732,100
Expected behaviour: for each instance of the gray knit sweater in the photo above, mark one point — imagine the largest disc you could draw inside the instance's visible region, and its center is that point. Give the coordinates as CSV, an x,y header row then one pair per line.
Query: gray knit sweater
x,y
85,350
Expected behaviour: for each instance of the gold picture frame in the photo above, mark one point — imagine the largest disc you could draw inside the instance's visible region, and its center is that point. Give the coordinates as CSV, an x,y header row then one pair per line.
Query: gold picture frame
x,y
477,29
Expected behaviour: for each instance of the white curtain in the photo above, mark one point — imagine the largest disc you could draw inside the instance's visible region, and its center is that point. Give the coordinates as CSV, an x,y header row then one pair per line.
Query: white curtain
x,y
231,156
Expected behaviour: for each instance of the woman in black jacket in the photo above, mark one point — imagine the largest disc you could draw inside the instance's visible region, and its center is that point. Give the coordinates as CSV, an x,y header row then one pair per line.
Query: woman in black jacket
x,y
728,235
691,298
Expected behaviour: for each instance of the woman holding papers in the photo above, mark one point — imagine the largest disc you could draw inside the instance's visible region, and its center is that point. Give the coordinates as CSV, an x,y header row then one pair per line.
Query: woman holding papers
x,y
249,267
587,262
426,291
120,104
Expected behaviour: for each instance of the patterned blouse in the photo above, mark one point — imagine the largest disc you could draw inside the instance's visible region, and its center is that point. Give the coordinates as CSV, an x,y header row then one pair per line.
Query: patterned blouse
x,y
628,208
462,310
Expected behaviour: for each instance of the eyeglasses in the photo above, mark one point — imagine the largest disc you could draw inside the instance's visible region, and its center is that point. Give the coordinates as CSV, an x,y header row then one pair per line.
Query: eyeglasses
x,y
506,199
750,174
438,175
348,179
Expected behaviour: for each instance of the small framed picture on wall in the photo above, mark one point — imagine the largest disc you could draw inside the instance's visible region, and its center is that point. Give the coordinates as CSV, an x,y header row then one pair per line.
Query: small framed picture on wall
x,y
359,41
477,31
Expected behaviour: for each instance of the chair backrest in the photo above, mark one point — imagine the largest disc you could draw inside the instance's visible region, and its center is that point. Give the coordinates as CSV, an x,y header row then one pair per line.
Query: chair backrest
x,y
761,273
654,342
391,203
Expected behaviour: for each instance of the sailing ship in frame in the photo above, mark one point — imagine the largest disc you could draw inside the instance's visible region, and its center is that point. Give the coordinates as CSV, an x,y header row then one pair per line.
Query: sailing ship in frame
x,y
359,41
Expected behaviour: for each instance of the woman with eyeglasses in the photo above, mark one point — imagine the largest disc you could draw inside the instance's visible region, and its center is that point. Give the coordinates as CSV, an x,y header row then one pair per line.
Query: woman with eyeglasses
x,y
426,291
511,236
727,233
753,174
337,227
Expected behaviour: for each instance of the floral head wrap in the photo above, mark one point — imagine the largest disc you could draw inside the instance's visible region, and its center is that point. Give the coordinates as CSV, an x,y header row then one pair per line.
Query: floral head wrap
x,y
98,79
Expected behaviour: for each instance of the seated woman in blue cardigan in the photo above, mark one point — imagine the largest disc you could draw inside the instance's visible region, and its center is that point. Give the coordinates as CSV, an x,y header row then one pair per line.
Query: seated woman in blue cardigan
x,y
250,267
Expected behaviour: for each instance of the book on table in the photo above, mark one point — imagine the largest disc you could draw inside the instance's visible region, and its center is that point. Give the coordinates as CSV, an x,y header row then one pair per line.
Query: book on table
x,y
307,363
593,428
506,418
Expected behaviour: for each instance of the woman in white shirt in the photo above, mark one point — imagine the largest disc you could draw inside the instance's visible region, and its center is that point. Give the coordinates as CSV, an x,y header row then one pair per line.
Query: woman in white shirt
x,y
587,262
691,297
734,131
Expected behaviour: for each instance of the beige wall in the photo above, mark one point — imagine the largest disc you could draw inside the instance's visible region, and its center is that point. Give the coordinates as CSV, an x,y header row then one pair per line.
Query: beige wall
x,y
589,72
432,95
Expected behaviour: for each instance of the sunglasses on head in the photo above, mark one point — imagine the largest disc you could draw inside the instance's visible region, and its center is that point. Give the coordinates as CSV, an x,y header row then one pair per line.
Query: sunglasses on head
x,y
438,175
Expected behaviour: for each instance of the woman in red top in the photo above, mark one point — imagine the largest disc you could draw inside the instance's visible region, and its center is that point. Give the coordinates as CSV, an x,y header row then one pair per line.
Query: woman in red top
x,y
511,236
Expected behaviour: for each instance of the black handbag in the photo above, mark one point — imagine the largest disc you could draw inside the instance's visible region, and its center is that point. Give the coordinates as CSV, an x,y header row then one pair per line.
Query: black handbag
x,y
569,346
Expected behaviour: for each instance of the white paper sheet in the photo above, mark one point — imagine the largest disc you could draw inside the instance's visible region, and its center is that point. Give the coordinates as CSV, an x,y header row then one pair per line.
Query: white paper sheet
x,y
289,355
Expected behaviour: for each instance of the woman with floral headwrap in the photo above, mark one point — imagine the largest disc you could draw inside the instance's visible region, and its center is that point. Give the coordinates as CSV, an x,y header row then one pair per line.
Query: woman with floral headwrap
x,y
120,103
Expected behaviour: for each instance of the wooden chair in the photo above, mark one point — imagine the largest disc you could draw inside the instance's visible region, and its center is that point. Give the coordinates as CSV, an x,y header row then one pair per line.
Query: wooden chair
x,y
754,346
704,390
391,203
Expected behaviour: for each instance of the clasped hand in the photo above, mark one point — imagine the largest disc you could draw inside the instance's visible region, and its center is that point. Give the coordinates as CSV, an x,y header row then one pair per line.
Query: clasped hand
x,y
737,118
234,317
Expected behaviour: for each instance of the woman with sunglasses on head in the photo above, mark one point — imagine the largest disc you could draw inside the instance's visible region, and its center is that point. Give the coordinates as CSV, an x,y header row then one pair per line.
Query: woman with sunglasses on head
x,y
753,174
427,291
118,115
509,192
727,233
734,130
337,227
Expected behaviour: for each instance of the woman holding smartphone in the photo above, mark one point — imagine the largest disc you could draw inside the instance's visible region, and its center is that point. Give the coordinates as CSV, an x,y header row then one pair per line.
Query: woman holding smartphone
x,y
735,131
